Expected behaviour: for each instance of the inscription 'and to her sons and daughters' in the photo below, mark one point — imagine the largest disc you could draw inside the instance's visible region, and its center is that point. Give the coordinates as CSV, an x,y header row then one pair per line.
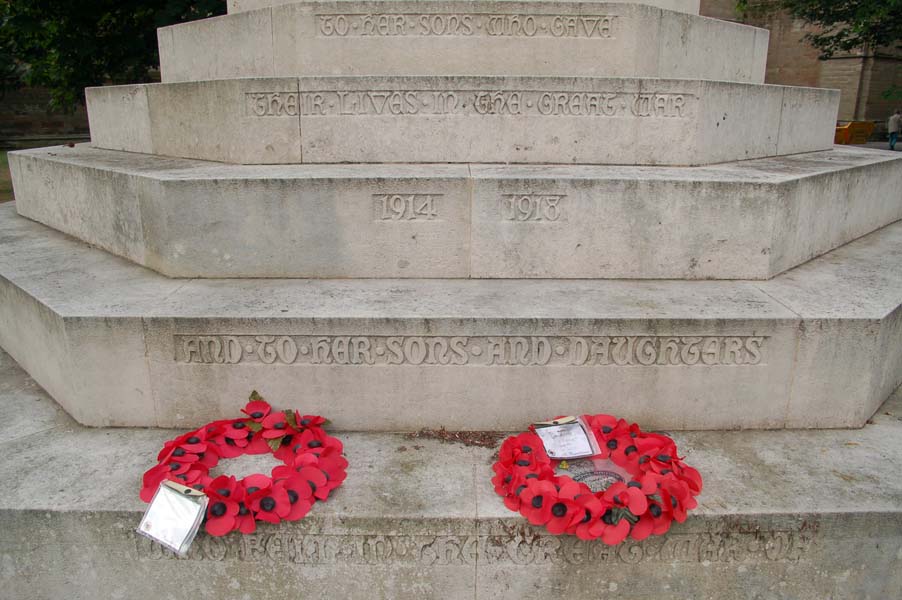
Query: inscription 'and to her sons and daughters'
x,y
464,350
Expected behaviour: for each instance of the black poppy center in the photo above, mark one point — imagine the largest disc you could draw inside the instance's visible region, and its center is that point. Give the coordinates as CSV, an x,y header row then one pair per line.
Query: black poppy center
x,y
612,444
664,457
178,452
256,414
312,486
242,509
174,466
606,429
526,449
267,504
238,425
218,509
655,510
630,449
305,422
537,501
522,463
314,444
292,496
608,517
588,516
279,425
223,492
634,484
253,489
559,509
193,440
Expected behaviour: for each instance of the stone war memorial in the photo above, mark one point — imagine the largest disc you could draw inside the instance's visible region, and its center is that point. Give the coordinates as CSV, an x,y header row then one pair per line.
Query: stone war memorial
x,y
423,217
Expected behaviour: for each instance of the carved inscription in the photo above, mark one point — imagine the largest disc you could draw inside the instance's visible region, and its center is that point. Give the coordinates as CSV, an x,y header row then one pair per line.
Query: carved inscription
x,y
520,548
510,351
602,27
406,207
328,103
532,208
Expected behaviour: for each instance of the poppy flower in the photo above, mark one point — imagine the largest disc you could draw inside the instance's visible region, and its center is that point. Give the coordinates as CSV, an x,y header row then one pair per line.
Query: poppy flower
x,y
276,425
304,421
611,531
300,498
257,410
564,514
655,521
675,496
222,510
270,505
624,496
315,441
526,446
536,501
592,510
246,523
334,467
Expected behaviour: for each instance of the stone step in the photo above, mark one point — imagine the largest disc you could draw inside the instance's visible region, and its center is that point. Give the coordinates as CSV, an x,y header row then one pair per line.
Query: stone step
x,y
186,218
463,119
464,37
785,515
116,344
686,6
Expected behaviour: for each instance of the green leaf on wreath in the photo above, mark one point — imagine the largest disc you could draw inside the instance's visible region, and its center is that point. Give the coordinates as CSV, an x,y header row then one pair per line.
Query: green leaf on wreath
x,y
274,443
256,396
291,418
253,426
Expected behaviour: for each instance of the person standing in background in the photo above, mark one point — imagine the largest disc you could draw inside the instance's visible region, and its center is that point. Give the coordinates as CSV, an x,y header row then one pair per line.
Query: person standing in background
x,y
894,125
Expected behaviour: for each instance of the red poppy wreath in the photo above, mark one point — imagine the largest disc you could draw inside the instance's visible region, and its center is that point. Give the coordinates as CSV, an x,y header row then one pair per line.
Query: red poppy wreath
x,y
640,485
312,467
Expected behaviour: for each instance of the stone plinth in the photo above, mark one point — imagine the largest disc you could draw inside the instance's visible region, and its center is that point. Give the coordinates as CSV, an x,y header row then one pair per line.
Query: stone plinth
x,y
687,6
116,344
787,515
186,218
479,38
463,119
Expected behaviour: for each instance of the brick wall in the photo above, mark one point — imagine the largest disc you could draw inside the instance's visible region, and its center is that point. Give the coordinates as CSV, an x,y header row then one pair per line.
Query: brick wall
x,y
24,113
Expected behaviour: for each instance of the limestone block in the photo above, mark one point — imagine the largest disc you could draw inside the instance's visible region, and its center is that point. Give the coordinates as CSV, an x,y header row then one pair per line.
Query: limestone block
x,y
465,119
135,348
477,38
186,218
219,49
687,6
337,222
418,519
211,119
119,118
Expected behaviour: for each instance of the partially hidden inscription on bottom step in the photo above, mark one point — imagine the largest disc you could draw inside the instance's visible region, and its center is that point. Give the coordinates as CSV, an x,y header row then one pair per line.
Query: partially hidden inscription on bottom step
x,y
524,351
522,547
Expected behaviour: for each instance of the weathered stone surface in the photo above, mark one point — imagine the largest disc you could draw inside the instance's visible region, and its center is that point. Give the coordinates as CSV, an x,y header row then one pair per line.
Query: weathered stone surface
x,y
784,516
478,38
463,119
119,345
687,6
185,218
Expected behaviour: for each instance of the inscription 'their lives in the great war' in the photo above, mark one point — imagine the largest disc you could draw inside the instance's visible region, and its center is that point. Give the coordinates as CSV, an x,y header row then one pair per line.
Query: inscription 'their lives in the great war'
x,y
331,103
513,351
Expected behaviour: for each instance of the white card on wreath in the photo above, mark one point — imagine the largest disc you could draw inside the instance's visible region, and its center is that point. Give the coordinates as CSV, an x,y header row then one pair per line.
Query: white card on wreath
x,y
174,516
566,438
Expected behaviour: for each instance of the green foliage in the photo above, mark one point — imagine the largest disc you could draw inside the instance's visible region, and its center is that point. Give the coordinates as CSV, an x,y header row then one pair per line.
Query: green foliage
x,y
844,25
67,45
